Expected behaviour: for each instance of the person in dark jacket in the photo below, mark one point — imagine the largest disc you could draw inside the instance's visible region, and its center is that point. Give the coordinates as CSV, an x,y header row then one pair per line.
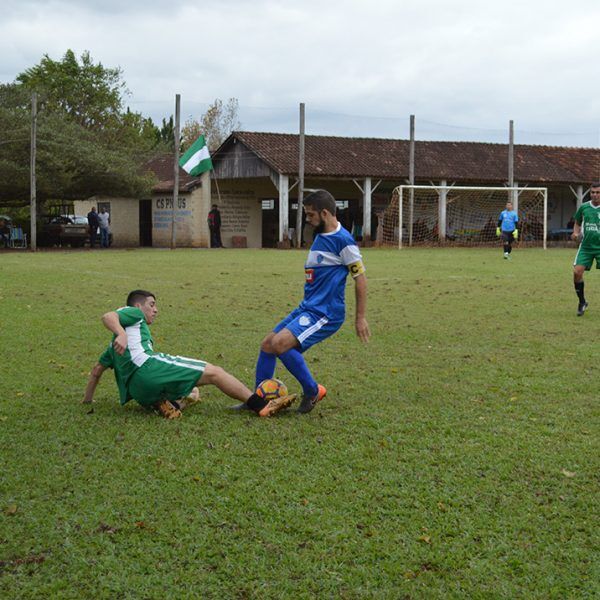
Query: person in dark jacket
x,y
214,224
93,224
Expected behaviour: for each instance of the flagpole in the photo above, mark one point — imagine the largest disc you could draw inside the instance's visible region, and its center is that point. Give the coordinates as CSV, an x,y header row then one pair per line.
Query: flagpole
x,y
175,170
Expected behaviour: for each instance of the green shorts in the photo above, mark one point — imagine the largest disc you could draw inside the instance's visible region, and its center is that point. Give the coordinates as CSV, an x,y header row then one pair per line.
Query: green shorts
x,y
585,257
165,377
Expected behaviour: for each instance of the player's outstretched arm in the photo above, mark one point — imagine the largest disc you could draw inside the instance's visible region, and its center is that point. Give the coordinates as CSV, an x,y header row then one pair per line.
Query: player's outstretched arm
x,y
110,320
92,383
361,325
576,231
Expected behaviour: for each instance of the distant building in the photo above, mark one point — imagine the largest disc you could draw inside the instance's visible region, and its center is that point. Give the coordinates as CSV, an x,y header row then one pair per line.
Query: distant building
x,y
255,179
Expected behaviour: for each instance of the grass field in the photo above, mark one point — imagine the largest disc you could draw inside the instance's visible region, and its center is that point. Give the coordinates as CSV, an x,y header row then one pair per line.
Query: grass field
x,y
456,456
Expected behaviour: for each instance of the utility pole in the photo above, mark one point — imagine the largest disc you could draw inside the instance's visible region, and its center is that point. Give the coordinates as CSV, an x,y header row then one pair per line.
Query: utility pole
x,y
299,220
175,169
33,195
411,181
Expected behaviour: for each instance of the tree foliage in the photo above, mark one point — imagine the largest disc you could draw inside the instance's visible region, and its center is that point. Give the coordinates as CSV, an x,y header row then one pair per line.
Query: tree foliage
x,y
86,143
215,124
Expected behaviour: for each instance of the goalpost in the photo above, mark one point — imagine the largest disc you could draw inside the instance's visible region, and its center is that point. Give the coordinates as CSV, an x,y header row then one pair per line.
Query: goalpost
x,y
462,215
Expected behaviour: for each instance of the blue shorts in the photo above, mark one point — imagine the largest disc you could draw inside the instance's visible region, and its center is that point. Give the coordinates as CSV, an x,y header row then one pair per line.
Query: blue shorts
x,y
308,328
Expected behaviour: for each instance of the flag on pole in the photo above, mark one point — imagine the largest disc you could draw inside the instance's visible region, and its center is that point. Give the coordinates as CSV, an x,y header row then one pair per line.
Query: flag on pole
x,y
196,158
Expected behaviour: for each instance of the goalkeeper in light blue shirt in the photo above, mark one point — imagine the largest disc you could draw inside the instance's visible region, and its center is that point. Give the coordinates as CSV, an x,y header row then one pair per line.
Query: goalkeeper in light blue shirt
x,y
507,228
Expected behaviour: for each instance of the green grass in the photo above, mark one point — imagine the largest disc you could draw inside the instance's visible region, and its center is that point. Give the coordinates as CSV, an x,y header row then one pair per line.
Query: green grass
x,y
456,456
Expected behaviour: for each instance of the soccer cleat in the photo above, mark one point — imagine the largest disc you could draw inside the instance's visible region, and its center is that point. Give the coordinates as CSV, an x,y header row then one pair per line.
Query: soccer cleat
x,y
276,404
308,402
506,255
192,398
167,410
581,308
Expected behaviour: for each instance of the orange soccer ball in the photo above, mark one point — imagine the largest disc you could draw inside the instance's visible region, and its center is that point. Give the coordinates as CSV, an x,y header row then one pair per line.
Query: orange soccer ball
x,y
269,389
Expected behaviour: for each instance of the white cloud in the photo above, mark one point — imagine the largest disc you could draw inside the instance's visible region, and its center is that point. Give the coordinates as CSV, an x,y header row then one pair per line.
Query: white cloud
x,y
465,63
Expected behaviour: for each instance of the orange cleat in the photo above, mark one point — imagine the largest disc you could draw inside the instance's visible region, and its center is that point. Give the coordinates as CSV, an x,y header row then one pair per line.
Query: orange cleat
x,y
308,403
277,404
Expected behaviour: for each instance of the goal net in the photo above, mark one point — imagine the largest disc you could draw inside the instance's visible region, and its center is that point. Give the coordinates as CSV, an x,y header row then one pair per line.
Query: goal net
x,y
462,215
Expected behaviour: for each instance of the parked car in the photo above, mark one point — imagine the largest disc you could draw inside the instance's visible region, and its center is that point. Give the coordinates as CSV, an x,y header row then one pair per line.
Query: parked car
x,y
63,230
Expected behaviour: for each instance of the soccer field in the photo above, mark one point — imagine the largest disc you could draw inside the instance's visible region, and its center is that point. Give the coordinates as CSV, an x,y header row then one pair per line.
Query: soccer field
x,y
455,456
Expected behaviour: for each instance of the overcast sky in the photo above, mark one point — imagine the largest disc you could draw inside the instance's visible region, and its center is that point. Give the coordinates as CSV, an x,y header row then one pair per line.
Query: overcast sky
x,y
464,67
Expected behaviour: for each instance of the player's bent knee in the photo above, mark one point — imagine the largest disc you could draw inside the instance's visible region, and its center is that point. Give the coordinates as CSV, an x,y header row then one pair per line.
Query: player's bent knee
x,y
211,375
266,344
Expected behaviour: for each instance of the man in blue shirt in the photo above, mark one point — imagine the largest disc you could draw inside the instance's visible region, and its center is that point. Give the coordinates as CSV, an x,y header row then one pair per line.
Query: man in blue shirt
x,y
507,228
321,313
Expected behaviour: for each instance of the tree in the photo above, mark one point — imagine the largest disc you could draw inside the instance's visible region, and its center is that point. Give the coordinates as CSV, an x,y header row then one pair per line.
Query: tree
x,y
86,143
90,94
215,124
166,134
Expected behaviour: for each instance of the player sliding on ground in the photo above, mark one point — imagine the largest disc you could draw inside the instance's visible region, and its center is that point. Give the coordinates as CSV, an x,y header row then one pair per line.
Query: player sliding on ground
x,y
164,382
587,222
507,228
321,313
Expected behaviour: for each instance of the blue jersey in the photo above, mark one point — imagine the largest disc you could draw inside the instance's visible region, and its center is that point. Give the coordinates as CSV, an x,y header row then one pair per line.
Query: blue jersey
x,y
331,257
509,220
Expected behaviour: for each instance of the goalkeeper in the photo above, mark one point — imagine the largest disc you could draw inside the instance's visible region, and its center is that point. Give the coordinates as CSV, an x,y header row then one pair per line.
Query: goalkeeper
x,y
507,228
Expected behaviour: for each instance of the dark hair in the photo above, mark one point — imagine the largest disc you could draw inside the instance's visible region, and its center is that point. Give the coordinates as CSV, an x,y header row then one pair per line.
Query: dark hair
x,y
138,296
321,200
594,185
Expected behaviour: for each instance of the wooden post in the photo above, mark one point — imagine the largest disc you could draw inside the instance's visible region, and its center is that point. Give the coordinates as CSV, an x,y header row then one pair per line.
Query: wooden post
x,y
411,181
175,169
299,219
33,195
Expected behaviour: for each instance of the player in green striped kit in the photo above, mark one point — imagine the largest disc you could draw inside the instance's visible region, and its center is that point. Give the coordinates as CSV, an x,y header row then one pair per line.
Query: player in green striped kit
x,y
162,380
587,223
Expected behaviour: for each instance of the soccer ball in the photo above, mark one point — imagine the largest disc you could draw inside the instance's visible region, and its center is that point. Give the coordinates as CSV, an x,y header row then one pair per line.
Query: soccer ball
x,y
269,389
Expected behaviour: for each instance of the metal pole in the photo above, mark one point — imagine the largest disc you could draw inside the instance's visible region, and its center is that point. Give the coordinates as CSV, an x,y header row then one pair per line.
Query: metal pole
x,y
33,198
545,216
511,154
175,169
411,180
299,220
513,196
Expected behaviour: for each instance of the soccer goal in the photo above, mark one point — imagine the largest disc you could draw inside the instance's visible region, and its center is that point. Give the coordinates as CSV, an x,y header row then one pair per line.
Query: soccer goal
x,y
462,215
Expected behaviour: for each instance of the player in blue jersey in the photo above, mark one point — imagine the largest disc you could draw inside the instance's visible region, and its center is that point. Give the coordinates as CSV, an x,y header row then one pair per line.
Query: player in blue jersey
x,y
321,313
507,228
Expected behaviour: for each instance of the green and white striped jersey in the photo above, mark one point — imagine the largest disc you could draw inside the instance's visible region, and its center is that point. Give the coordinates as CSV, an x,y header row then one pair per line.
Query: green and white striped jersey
x,y
139,349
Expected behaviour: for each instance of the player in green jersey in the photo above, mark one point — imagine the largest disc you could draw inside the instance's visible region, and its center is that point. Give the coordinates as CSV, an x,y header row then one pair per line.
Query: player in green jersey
x,y
160,380
586,228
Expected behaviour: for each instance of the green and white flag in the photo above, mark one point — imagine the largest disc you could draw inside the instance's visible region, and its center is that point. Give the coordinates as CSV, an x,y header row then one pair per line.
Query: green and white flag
x,y
196,158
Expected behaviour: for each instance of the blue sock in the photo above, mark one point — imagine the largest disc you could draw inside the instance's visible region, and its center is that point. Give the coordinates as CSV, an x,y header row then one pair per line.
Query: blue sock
x,y
265,367
294,362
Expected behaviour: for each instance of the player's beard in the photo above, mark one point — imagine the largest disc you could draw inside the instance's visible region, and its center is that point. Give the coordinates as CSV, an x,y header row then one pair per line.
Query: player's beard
x,y
320,228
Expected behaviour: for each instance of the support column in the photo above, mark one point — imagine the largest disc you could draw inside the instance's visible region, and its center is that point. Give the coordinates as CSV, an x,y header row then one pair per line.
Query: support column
x,y
284,202
579,195
515,198
443,194
367,211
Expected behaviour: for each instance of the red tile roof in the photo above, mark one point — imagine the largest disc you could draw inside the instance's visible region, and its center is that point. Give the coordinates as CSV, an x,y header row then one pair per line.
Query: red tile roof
x,y
328,156
162,167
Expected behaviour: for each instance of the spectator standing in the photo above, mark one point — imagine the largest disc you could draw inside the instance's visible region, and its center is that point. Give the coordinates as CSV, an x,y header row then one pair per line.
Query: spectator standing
x,y
104,219
214,224
93,224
